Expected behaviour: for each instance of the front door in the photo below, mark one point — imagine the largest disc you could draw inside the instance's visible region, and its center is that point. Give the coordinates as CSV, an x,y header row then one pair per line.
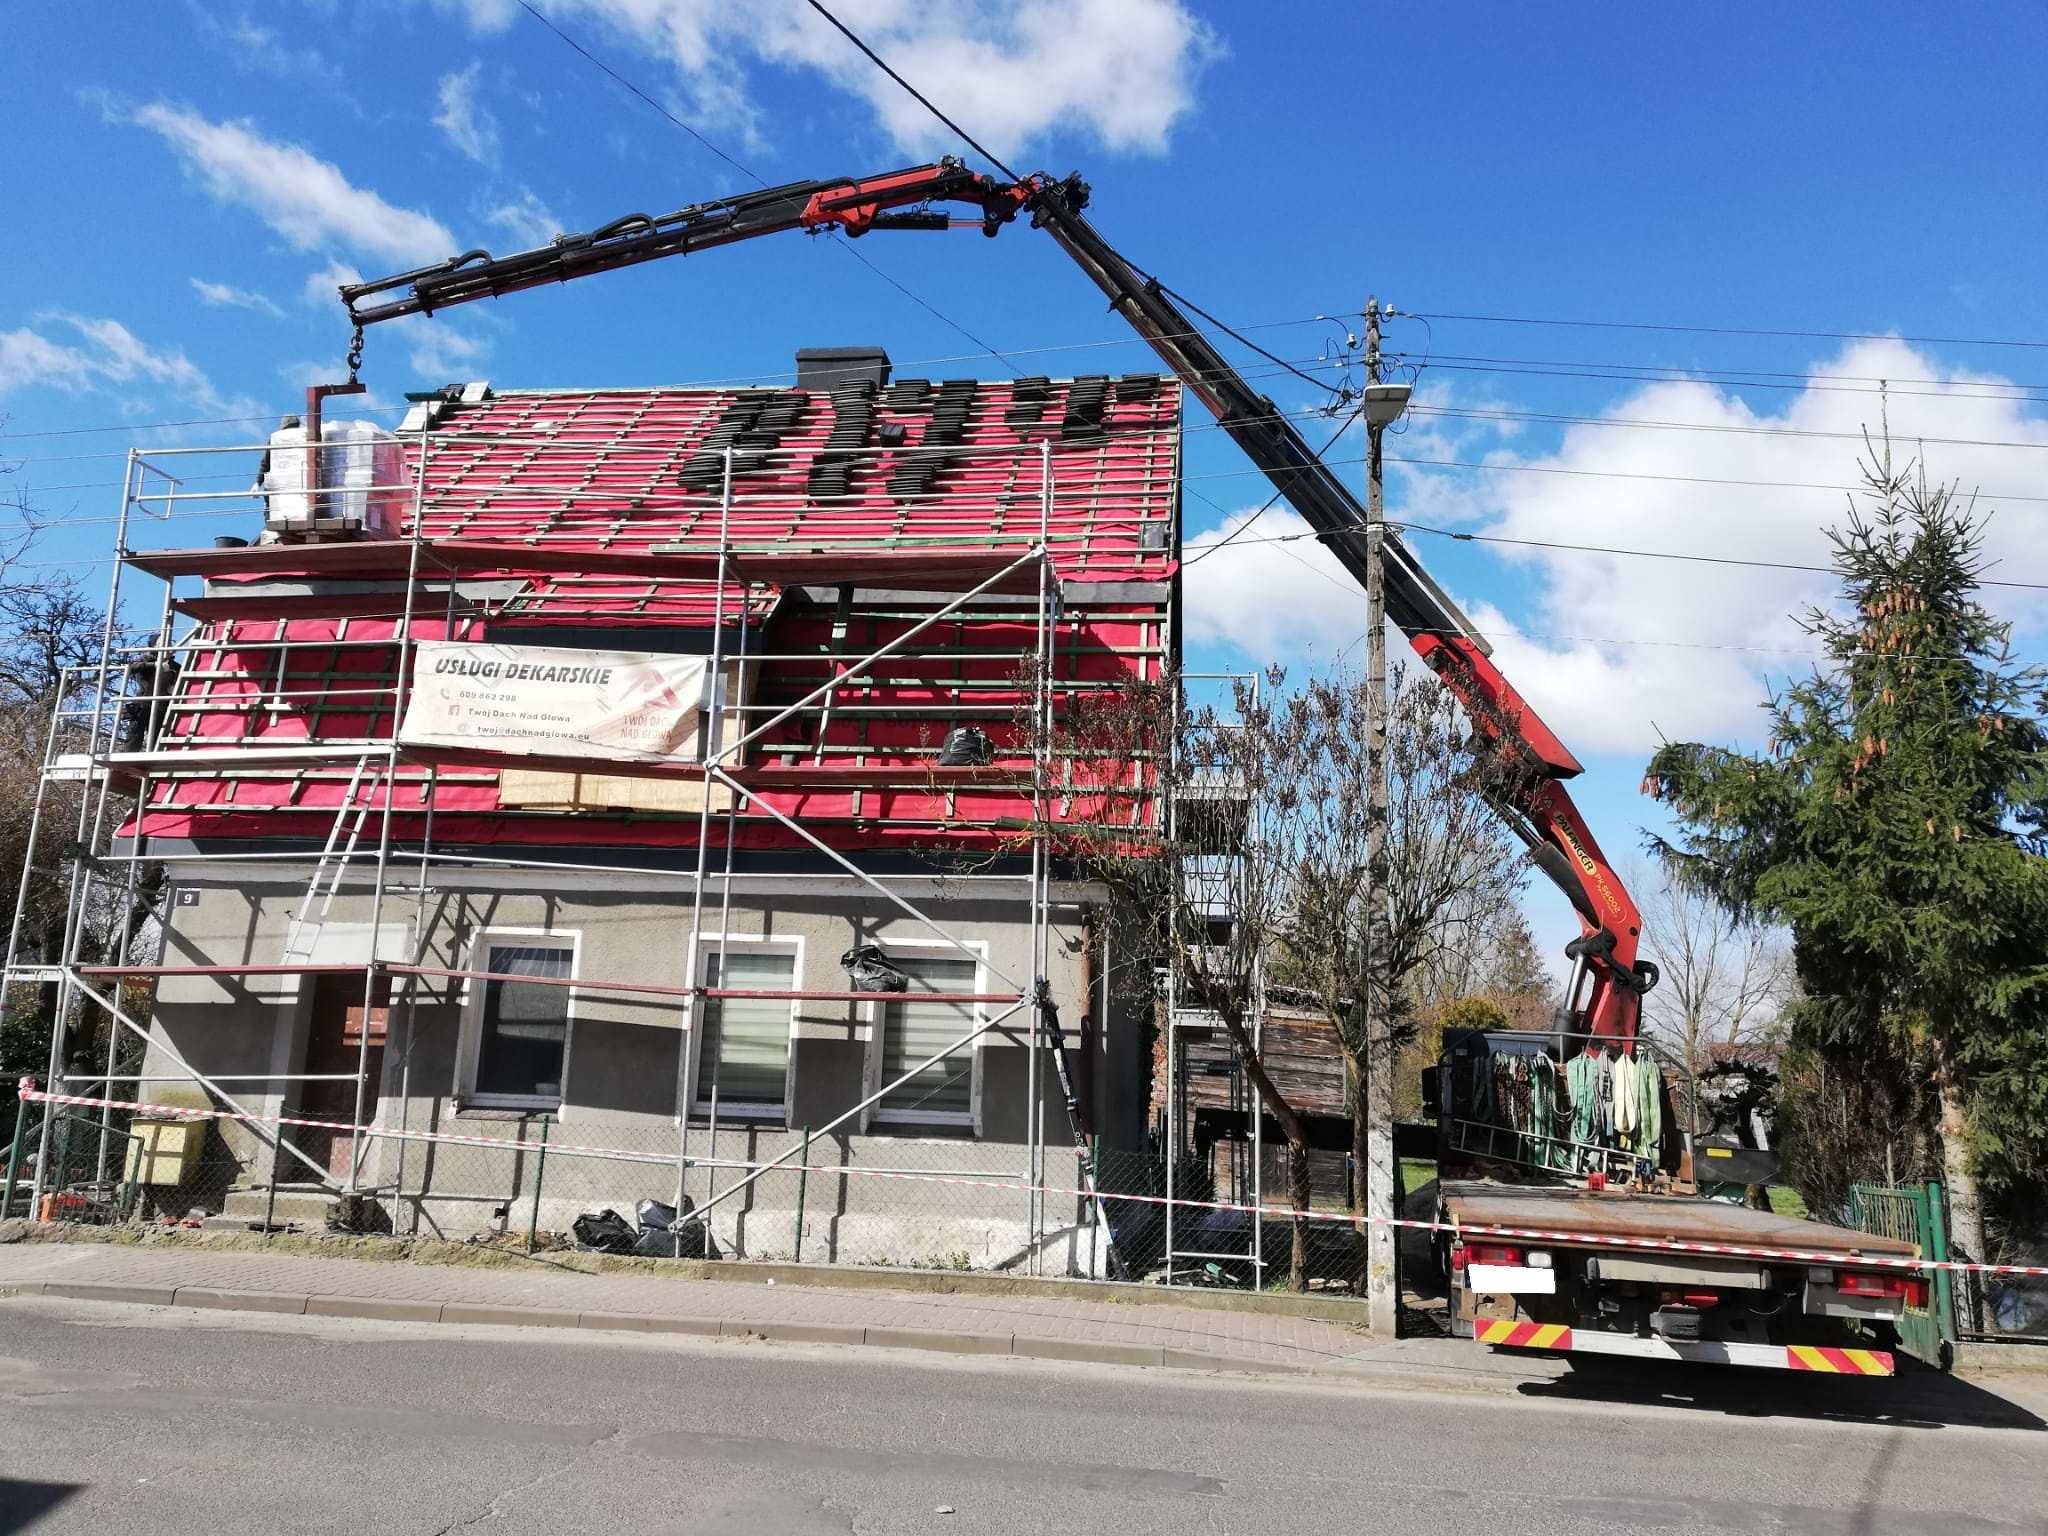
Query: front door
x,y
334,1048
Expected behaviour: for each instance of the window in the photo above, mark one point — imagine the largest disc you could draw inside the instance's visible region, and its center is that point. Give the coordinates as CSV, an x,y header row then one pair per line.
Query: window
x,y
942,1093
746,1039
520,1029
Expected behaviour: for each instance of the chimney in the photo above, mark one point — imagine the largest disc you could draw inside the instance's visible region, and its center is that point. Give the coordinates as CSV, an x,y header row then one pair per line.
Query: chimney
x,y
822,369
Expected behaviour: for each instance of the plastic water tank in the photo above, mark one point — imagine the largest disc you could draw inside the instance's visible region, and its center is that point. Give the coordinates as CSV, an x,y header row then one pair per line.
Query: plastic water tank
x,y
363,484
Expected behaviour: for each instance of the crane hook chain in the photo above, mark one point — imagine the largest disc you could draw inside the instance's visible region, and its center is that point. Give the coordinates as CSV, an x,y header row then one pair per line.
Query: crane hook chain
x,y
355,354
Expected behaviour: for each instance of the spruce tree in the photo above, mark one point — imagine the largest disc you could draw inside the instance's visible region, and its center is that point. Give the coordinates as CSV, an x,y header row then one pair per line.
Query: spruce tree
x,y
1896,825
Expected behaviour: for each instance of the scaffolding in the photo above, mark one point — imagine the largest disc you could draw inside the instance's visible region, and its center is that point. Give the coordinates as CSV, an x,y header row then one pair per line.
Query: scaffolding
x,y
129,732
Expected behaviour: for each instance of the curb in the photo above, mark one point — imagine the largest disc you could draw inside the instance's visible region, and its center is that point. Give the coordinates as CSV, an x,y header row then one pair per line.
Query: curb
x,y
768,1330
1320,1308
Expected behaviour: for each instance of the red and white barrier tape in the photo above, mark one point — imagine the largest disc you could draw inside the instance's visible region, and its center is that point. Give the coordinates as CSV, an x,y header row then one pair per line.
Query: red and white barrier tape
x,y
29,1093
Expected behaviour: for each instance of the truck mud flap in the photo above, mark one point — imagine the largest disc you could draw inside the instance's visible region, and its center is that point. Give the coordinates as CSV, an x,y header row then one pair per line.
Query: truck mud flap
x,y
1556,1338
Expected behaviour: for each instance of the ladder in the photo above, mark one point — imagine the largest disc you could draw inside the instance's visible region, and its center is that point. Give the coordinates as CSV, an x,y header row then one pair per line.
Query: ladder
x,y
304,934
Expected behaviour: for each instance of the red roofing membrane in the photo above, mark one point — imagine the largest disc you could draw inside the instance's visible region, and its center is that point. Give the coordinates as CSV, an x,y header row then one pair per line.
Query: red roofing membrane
x,y
611,482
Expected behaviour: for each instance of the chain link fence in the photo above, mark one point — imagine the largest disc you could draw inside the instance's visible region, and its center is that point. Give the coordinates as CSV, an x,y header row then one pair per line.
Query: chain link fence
x,y
746,1192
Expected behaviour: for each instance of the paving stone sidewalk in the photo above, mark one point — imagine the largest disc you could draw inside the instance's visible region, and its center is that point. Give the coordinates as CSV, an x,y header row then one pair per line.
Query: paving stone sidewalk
x,y
540,1294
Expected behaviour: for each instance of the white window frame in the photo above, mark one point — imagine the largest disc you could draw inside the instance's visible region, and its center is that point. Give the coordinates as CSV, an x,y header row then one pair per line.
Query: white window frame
x,y
469,1054
700,1093
878,1026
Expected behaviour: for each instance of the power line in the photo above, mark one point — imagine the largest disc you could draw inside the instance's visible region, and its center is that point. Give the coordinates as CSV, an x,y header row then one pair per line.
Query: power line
x,y
1736,330
540,17
1947,389
758,180
1210,549
1591,549
1550,418
121,453
197,421
922,100
1683,373
1621,474
724,381
1727,382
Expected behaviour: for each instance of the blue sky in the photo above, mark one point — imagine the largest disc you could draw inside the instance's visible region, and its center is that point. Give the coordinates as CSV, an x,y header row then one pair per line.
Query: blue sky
x,y
185,182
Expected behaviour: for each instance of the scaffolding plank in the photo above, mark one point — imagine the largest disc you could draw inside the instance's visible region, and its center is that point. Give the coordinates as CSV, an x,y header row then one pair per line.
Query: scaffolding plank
x,y
817,563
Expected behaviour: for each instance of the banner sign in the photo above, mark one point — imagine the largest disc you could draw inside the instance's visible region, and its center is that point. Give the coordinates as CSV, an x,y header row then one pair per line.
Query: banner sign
x,y
553,701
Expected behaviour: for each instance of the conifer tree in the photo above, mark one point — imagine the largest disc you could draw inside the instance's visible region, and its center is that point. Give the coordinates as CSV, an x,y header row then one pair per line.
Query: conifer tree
x,y
1895,824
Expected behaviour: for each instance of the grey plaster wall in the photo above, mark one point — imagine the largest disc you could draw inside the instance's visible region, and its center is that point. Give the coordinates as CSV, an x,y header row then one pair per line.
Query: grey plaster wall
x,y
624,1055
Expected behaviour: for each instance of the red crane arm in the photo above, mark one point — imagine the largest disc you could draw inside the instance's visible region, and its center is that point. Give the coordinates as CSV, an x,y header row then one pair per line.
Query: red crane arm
x,y
853,204
1530,795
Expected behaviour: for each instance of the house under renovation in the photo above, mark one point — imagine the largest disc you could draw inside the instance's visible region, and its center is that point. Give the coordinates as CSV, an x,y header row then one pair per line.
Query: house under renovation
x,y
587,765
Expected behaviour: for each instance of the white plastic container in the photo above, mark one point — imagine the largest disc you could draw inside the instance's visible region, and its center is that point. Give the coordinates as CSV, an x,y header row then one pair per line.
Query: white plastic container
x,y
362,481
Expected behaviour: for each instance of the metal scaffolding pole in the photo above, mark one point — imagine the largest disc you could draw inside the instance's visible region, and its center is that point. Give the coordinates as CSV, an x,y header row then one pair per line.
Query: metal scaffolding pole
x,y
210,1084
1040,914
81,867
401,659
733,723
686,1075
431,794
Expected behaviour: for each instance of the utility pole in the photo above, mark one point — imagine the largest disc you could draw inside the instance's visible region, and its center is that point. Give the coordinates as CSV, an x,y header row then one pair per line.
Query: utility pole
x,y
1376,1165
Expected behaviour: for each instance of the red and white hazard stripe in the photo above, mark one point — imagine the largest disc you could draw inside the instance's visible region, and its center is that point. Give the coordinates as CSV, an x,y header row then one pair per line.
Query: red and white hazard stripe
x,y
31,1094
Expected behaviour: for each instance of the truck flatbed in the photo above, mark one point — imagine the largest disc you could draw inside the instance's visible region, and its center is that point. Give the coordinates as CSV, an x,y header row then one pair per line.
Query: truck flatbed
x,y
1670,1277
1647,1218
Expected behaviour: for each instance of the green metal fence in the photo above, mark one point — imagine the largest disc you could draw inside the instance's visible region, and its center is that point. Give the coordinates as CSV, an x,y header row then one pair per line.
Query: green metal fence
x,y
1915,1213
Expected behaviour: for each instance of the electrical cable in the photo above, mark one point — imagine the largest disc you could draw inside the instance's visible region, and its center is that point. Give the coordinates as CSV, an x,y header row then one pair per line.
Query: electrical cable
x,y
542,18
1948,389
1210,549
1686,373
922,100
1742,330
1182,298
1591,549
760,181
1731,383
1549,418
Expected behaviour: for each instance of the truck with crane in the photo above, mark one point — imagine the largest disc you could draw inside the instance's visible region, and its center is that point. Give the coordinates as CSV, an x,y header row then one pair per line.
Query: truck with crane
x,y
1554,1237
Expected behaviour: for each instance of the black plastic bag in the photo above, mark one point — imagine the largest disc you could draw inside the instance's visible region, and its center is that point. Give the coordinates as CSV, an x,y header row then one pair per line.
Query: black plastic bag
x,y
870,971
684,1241
603,1232
966,746
654,1215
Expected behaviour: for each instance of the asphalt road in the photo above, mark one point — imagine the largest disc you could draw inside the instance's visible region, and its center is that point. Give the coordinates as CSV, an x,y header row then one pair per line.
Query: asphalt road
x,y
118,1419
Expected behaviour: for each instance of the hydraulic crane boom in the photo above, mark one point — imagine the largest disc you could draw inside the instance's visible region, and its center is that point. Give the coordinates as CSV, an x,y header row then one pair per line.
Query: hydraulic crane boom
x,y
1530,795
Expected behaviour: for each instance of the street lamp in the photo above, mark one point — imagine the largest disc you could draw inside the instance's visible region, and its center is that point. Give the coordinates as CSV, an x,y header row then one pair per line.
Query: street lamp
x,y
1384,403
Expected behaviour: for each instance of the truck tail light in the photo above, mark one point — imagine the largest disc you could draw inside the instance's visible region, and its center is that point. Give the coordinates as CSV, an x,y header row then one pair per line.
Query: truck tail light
x,y
1486,1253
1700,1298
1916,1294
1882,1286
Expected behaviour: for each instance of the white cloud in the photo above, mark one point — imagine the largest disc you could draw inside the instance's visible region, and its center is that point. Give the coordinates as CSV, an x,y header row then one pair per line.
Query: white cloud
x,y
437,349
259,49
227,296
1121,72
469,126
1616,651
442,353
527,219
1703,638
1274,591
29,358
107,358
319,291
305,199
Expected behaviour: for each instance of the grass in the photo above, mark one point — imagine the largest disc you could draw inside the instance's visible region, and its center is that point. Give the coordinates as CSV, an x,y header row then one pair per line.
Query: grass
x,y
1786,1202
1416,1172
